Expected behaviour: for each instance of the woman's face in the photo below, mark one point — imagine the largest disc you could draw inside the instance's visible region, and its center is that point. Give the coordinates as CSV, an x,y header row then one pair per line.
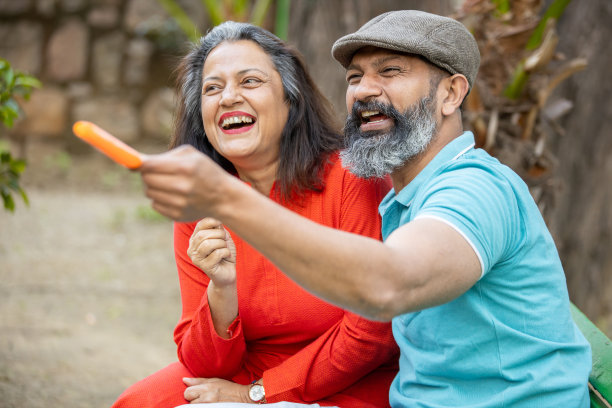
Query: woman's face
x,y
243,104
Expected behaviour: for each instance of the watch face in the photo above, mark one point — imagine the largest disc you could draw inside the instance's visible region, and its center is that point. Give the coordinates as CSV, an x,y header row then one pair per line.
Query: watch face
x,y
256,393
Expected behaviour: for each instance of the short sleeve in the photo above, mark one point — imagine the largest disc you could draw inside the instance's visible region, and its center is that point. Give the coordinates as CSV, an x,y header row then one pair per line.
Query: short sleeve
x,y
480,205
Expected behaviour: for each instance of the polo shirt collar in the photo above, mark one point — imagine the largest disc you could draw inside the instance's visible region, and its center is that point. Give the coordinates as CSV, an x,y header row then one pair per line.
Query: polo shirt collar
x,y
453,150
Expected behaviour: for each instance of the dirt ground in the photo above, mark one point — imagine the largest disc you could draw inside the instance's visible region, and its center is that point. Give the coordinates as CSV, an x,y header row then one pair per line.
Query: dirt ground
x,y
88,289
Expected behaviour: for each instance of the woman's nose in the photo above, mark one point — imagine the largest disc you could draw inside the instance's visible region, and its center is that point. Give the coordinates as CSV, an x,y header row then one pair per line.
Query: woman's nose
x,y
230,96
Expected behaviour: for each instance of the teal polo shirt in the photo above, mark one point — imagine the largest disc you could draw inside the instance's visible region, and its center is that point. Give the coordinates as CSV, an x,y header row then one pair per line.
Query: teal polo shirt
x,y
509,341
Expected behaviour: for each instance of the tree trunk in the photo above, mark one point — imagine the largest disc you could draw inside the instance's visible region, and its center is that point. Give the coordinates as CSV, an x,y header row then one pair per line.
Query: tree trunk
x,y
581,221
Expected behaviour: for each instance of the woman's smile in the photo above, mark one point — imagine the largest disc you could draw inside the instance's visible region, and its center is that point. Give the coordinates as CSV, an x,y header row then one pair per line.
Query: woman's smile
x,y
236,122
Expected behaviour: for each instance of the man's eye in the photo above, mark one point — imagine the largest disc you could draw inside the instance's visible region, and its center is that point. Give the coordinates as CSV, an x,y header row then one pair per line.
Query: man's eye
x,y
390,70
353,78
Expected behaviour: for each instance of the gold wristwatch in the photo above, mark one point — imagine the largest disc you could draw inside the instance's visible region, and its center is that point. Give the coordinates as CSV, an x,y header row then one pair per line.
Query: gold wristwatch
x,y
257,393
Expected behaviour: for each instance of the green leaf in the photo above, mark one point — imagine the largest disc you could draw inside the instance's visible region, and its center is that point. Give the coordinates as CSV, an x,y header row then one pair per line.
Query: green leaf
x,y
213,7
8,78
555,10
9,111
282,19
24,197
12,83
501,6
259,12
181,18
18,165
515,88
27,81
9,203
13,183
240,8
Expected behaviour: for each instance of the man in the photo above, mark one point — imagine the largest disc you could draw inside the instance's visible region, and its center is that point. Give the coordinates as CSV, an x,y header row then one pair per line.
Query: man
x,y
468,271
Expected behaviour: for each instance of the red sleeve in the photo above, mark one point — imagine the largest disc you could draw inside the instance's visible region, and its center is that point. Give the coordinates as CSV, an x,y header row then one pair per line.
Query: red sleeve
x,y
200,348
353,347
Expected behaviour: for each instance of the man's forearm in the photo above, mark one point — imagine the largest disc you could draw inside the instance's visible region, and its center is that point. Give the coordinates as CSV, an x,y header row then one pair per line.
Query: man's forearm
x,y
340,267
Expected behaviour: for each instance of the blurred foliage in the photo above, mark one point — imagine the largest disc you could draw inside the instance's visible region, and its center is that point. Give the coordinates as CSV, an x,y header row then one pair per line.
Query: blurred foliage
x,y
10,171
253,11
12,84
511,108
164,33
544,38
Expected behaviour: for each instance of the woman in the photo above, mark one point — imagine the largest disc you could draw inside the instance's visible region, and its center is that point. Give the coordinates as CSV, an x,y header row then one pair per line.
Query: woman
x,y
247,101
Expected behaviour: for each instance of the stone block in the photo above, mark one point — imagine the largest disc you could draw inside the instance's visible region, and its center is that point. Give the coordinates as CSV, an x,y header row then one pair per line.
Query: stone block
x,y
113,114
14,7
144,15
45,7
72,6
103,17
157,114
107,57
44,115
67,52
137,62
22,45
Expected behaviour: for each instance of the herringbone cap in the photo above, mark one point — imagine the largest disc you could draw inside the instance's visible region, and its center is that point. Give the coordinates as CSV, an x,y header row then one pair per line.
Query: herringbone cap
x,y
443,41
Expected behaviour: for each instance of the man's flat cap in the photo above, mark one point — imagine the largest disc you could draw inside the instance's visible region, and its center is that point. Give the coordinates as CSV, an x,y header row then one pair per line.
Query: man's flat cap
x,y
443,41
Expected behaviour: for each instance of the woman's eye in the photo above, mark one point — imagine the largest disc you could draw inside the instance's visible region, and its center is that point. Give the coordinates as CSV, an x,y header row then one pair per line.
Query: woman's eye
x,y
208,89
251,81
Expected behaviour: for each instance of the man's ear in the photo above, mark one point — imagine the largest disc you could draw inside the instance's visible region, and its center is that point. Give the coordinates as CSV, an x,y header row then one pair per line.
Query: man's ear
x,y
456,87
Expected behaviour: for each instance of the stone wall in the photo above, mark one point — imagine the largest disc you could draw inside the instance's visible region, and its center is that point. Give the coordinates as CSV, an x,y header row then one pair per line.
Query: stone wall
x,y
107,61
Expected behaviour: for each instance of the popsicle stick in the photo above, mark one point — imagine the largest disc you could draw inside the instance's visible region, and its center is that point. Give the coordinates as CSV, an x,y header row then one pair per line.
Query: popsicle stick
x,y
108,144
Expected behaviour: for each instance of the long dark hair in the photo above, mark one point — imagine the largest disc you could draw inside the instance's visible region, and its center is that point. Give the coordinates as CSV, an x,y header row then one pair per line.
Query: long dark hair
x,y
310,134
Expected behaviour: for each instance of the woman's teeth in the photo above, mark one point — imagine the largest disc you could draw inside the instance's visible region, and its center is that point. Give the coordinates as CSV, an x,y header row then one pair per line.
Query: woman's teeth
x,y
233,120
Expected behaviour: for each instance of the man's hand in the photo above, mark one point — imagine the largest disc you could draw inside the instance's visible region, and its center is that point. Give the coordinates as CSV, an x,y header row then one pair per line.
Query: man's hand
x,y
206,390
183,183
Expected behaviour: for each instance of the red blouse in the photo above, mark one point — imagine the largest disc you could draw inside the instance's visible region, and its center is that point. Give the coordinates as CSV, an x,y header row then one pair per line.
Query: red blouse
x,y
305,349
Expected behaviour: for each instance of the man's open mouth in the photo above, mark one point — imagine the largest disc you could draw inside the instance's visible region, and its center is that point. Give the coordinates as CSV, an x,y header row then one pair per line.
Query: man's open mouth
x,y
372,116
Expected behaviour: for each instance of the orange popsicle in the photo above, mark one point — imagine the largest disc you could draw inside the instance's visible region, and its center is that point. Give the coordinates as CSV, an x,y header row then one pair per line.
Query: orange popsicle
x,y
107,144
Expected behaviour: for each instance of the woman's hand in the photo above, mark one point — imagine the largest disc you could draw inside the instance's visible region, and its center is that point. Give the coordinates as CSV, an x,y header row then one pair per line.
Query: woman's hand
x,y
212,249
206,390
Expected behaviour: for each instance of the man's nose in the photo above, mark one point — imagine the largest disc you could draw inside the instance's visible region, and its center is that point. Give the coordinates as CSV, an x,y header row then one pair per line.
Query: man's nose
x,y
367,88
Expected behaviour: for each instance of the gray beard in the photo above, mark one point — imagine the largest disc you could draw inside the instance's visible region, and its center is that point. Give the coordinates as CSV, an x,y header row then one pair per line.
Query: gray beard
x,y
376,154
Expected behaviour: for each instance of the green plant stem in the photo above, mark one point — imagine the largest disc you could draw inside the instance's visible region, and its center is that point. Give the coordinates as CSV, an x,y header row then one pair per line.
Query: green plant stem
x,y
259,12
181,18
519,79
282,19
501,6
555,10
215,11
240,9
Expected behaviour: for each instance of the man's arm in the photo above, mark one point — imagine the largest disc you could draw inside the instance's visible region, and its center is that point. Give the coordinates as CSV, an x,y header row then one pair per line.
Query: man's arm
x,y
422,264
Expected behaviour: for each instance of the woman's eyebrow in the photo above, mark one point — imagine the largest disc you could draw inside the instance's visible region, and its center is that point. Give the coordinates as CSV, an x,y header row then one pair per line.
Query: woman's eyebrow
x,y
240,73
248,70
